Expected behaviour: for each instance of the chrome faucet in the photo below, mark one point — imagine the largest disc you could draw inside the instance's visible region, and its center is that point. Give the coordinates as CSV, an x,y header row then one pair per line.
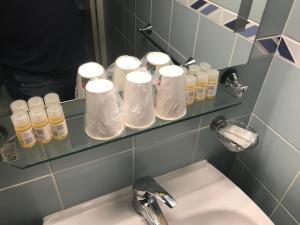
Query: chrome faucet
x,y
146,192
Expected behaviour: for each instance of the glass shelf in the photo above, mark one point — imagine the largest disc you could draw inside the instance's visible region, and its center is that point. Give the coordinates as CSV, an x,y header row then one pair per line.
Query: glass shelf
x,y
78,141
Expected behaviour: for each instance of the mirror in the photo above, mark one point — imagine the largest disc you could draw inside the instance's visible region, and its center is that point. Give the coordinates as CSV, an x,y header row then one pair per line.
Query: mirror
x,y
42,43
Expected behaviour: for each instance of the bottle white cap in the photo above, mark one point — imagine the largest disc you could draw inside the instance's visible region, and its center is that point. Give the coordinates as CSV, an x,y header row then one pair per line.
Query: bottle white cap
x,y
190,80
38,115
36,102
194,70
19,105
202,77
20,119
205,66
51,99
213,75
55,112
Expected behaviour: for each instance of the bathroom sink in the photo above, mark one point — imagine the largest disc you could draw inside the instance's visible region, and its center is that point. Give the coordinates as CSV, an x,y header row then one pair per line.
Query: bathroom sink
x,y
204,197
213,218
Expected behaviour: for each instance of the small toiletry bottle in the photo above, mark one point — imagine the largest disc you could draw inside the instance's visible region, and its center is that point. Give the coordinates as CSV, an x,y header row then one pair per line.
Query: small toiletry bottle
x,y
23,128
19,106
212,86
57,122
36,102
40,124
51,99
194,70
190,87
201,86
205,66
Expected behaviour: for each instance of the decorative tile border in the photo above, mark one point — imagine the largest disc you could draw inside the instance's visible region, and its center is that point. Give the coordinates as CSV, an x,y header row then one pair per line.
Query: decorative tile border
x,y
289,49
282,46
268,45
223,17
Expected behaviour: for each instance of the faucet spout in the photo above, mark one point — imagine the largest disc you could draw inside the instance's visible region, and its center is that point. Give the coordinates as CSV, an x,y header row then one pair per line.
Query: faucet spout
x,y
146,192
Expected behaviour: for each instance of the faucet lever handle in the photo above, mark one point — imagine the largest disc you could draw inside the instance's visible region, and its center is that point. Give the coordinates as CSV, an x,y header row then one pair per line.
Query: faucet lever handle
x,y
167,199
147,185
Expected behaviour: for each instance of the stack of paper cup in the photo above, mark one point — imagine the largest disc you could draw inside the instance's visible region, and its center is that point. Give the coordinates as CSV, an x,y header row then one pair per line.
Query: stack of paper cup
x,y
103,119
124,65
156,60
171,99
87,72
138,100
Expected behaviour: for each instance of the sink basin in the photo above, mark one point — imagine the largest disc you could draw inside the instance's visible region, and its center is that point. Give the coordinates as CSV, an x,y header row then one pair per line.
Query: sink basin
x,y
204,197
213,218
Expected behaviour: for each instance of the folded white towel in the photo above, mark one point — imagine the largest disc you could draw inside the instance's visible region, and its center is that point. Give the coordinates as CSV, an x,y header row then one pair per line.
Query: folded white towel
x,y
238,135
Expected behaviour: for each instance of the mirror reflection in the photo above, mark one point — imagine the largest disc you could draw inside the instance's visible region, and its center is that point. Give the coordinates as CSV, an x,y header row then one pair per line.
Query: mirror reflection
x,y
43,43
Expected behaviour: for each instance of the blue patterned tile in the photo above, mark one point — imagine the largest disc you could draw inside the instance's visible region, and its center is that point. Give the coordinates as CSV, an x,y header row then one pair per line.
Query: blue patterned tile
x,y
294,49
270,45
209,9
250,31
284,51
231,24
198,4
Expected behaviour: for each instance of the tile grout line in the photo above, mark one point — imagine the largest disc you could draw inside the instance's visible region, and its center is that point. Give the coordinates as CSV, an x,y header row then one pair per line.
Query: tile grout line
x,y
135,29
133,159
288,18
271,64
288,61
170,28
151,11
92,161
256,178
196,144
288,212
25,182
285,193
276,133
175,50
56,187
275,198
196,36
263,84
233,50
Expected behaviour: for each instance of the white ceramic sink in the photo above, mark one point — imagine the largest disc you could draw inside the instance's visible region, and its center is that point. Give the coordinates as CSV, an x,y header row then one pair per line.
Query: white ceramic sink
x,y
204,197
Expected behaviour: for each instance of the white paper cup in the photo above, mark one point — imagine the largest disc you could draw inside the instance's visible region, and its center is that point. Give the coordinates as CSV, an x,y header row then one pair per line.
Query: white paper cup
x,y
103,119
86,72
171,98
138,103
124,65
155,61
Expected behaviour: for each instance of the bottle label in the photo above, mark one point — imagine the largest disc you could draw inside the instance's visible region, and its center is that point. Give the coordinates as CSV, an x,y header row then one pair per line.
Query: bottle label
x,y
43,133
190,96
59,130
211,90
200,93
28,137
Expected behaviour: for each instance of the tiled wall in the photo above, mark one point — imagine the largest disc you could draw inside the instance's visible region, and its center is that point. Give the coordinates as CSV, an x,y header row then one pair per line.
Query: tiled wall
x,y
270,173
28,195
183,29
